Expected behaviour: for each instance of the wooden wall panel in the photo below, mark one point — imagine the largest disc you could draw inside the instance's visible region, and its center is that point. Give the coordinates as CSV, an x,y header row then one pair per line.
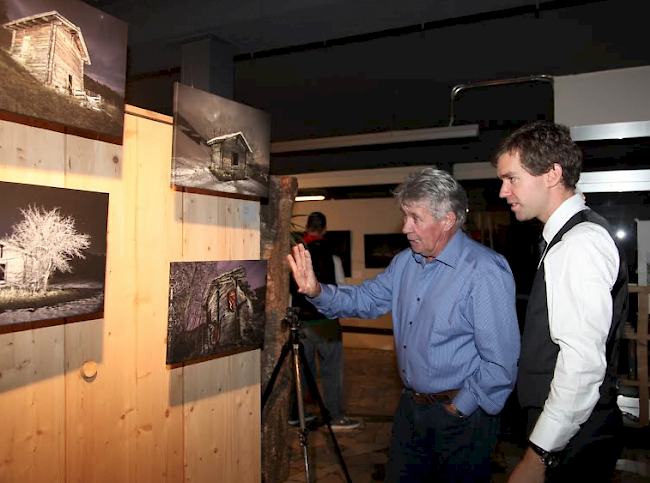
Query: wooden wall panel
x,y
100,416
32,412
222,396
159,389
137,420
32,404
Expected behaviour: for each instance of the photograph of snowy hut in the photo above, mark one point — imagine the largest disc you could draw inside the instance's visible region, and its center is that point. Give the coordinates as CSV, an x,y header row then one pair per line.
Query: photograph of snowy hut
x,y
219,145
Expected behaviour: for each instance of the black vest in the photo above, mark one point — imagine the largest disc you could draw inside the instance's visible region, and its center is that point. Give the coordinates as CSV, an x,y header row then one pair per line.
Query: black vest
x,y
539,353
323,262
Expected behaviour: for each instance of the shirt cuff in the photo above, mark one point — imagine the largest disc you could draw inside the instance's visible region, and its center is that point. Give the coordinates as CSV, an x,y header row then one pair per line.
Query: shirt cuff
x,y
550,434
465,403
324,297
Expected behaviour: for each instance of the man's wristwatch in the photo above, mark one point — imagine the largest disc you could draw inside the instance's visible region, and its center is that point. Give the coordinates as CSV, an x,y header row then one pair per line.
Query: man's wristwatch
x,y
550,458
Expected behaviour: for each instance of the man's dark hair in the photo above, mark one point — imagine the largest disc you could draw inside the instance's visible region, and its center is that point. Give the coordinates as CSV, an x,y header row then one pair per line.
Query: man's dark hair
x,y
316,222
540,145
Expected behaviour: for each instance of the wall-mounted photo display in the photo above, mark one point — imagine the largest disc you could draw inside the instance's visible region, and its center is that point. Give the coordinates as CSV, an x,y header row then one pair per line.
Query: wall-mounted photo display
x,y
52,253
63,62
219,145
380,249
215,308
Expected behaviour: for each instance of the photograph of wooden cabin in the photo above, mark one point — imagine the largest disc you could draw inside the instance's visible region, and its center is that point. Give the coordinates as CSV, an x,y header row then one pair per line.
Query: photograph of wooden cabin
x,y
215,308
219,145
52,253
64,62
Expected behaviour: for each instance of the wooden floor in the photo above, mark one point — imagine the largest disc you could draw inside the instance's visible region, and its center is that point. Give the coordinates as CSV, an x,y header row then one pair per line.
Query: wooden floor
x,y
372,393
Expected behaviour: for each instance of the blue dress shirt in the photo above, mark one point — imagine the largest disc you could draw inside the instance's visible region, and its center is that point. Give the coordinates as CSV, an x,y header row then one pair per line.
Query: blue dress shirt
x,y
454,320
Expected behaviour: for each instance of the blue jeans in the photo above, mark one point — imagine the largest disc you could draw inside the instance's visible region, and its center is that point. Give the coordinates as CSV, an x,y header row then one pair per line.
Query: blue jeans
x,y
328,348
430,444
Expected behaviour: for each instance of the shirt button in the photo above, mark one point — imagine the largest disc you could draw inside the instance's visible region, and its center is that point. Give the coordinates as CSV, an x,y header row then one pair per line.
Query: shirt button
x,y
410,323
404,347
418,299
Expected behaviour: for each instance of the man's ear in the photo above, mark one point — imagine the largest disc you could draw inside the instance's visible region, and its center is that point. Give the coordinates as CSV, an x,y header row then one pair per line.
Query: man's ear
x,y
554,175
449,221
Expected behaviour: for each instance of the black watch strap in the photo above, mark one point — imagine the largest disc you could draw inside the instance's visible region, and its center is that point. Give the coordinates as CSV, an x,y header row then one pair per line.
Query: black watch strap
x,y
550,458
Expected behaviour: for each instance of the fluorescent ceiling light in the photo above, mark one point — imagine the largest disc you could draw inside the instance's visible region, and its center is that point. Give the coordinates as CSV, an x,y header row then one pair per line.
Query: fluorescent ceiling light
x,y
356,177
614,181
386,137
614,130
310,198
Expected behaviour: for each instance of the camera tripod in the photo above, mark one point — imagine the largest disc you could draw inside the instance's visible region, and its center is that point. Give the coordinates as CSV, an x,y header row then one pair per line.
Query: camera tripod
x,y
294,345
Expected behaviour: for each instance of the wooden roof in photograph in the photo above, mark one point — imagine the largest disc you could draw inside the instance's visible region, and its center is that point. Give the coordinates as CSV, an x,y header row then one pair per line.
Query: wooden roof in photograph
x,y
225,137
50,17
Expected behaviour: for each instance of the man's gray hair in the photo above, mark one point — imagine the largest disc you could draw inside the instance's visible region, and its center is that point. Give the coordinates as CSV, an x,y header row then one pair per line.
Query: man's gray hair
x,y
436,188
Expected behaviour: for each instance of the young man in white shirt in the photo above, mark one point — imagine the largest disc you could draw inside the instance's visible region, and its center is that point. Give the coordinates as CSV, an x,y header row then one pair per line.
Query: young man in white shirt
x,y
578,304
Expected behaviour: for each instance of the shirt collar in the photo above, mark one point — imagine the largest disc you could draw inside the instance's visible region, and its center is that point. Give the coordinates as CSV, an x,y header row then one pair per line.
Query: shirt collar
x,y
562,214
449,255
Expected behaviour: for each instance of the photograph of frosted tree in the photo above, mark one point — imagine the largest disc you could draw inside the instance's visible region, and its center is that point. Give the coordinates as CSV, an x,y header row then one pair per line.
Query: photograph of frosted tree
x,y
52,253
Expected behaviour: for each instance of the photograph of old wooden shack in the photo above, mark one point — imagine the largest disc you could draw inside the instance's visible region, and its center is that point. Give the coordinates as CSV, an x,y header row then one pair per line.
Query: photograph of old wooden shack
x,y
63,61
219,145
215,308
52,253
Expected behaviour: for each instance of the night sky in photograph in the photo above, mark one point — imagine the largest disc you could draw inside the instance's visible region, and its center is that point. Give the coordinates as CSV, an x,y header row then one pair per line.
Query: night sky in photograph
x,y
89,209
105,36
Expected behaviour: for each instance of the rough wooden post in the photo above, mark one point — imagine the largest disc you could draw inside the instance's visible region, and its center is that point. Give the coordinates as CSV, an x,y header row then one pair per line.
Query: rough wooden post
x,y
275,239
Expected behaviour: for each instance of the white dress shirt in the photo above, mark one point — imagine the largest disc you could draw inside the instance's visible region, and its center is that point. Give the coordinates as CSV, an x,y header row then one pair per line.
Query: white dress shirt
x,y
580,271
339,274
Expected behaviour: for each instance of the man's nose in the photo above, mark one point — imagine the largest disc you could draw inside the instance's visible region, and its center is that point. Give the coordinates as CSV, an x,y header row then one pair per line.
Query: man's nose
x,y
504,191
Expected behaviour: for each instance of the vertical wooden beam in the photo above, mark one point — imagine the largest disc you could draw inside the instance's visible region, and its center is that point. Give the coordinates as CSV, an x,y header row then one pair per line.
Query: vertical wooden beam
x,y
276,232
642,355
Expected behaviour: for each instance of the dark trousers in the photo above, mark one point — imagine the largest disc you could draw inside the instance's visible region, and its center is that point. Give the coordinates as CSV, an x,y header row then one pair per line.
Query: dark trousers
x,y
430,444
592,453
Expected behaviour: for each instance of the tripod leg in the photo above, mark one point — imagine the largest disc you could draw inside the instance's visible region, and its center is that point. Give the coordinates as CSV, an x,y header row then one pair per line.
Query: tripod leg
x,y
276,370
297,353
327,418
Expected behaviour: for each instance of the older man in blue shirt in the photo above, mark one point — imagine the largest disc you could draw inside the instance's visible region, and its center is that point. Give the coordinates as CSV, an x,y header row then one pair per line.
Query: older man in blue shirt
x,y
455,328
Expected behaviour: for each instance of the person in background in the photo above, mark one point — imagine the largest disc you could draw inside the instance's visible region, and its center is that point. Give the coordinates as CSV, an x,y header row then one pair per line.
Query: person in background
x,y
455,328
321,336
567,373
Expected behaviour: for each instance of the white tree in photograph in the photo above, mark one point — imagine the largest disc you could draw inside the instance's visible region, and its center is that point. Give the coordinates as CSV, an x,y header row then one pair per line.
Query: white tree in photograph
x,y
47,241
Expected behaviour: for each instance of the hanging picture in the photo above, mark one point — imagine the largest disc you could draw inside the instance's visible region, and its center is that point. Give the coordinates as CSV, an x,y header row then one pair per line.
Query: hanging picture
x,y
63,62
215,308
379,250
219,145
52,253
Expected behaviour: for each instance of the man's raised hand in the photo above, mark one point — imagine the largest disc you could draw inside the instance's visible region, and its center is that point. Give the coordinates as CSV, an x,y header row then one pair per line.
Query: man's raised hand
x,y
303,271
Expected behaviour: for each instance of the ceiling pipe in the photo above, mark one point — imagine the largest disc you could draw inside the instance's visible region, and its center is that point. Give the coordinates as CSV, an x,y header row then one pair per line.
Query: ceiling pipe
x,y
518,80
385,137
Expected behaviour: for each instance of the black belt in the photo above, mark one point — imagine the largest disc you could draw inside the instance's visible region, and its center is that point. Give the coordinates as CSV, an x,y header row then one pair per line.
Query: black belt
x,y
433,397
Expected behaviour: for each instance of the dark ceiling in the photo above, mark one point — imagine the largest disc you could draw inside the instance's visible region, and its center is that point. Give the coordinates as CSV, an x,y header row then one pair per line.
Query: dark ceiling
x,y
262,25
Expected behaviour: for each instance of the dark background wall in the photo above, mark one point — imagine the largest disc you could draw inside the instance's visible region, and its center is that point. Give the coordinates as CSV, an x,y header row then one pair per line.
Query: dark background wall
x,y
397,80
405,82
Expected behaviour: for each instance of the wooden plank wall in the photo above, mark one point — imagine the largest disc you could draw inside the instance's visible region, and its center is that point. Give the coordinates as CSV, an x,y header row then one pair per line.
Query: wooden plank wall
x,y
137,420
638,352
